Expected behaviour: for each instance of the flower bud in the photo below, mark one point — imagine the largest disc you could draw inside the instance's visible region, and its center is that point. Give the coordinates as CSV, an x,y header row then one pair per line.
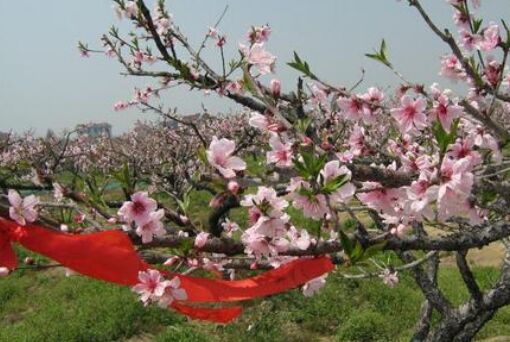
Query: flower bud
x,y
171,261
217,201
233,187
326,146
306,141
276,87
29,261
4,271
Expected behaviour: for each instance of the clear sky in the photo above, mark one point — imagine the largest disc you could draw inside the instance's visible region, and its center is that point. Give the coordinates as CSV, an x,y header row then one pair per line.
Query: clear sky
x,y
45,83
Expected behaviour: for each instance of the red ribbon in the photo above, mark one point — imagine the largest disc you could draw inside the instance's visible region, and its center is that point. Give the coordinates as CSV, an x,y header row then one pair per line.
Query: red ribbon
x,y
110,256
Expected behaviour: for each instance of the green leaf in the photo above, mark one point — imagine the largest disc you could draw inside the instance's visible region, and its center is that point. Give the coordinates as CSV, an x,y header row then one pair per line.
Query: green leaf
x,y
373,250
444,138
334,184
477,23
248,83
381,55
346,243
202,155
186,246
303,124
301,66
357,252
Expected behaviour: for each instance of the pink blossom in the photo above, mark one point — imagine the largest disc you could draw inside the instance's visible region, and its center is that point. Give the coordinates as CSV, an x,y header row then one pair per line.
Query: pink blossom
x,y
22,210
258,121
271,227
492,71
259,57
490,38
372,99
212,32
400,230
345,157
151,285
411,116
254,214
469,40
300,239
313,206
389,278
220,156
258,244
314,285
120,105
452,68
483,139
201,239
319,96
138,209
163,25
456,184
446,112
461,20
380,199
281,153
420,194
234,87
351,107
109,53
464,148
267,201
357,141
58,192
229,227
173,291
128,11
259,34
332,170
152,226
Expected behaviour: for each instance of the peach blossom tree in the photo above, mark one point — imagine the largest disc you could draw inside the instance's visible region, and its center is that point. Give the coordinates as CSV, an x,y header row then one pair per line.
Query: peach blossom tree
x,y
323,169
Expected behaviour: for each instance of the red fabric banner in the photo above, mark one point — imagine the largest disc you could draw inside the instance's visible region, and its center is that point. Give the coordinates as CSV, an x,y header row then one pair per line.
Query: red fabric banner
x,y
110,256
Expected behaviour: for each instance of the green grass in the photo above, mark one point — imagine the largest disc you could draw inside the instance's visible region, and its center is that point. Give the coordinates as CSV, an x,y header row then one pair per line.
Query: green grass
x,y
47,306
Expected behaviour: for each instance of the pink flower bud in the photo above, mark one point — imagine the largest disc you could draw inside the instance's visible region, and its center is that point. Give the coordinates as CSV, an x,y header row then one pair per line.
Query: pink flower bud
x,y
4,271
326,146
307,141
171,261
78,218
201,239
217,201
275,87
233,187
184,219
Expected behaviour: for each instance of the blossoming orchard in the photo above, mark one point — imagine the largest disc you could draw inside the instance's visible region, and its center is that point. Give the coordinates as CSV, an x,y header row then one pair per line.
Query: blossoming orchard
x,y
318,182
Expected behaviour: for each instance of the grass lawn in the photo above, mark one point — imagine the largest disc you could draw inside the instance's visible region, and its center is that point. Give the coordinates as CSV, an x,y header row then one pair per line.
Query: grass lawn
x,y
47,306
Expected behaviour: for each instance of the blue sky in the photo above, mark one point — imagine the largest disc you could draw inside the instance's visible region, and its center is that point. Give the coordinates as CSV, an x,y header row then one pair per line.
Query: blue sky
x,y
46,84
